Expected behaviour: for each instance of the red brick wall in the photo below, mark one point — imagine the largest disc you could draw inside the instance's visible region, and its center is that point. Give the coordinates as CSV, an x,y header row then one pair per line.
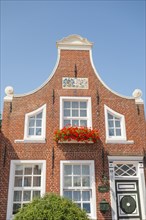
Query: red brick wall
x,y
13,127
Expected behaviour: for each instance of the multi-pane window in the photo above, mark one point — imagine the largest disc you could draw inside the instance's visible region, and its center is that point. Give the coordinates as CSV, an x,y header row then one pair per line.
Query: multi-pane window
x,y
75,113
35,125
114,125
77,184
27,184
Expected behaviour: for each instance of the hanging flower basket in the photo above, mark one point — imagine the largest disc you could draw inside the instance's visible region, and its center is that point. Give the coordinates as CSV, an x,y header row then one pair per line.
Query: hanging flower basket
x,y
76,134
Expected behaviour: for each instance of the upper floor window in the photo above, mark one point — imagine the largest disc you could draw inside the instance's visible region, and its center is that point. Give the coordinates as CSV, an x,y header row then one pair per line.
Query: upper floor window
x,y
35,124
75,111
115,125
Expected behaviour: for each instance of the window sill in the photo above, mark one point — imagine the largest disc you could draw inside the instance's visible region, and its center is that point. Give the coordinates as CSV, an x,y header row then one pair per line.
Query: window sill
x,y
75,142
30,141
119,142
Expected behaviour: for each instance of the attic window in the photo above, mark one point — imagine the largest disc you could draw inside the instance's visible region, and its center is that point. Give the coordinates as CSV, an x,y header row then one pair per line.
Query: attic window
x,y
35,124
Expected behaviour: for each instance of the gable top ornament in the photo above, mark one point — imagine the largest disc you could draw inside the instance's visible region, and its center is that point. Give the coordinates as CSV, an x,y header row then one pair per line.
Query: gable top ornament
x,y
74,42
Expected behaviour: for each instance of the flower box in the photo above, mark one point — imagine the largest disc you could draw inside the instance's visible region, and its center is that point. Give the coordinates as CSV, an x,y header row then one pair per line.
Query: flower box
x,y
76,135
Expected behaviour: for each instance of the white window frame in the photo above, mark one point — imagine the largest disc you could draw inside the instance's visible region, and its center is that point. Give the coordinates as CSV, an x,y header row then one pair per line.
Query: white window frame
x,y
26,127
92,181
70,98
12,177
123,128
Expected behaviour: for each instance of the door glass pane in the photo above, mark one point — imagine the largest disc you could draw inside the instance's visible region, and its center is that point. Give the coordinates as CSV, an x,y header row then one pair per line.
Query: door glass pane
x,y
26,195
75,104
36,181
83,113
18,170
77,181
86,195
86,206
83,123
67,181
18,181
83,104
37,169
67,169
68,194
76,195
85,181
17,196
76,169
85,170
28,170
75,122
27,181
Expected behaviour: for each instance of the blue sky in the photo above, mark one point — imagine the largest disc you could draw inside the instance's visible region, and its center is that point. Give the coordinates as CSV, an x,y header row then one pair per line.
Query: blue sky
x,y
30,29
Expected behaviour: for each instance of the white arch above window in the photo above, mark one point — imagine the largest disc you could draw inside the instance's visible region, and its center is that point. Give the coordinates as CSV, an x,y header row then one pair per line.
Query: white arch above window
x,y
114,125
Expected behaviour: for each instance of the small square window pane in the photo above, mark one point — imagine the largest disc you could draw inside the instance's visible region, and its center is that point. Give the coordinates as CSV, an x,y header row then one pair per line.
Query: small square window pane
x,y
36,193
117,124
86,195
75,122
31,123
76,169
67,181
76,181
111,132
111,124
38,131
86,206
38,123
36,181
66,104
66,112
110,116
26,195
118,132
85,170
17,196
67,169
76,195
27,181
18,181
79,204
83,104
75,104
28,170
67,122
19,170
37,169
75,113
85,181
16,207
39,115
83,123
68,194
31,131
83,113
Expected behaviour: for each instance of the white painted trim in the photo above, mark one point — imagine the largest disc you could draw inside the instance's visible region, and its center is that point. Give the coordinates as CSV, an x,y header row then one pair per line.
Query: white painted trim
x,y
34,138
125,158
30,141
11,182
92,165
119,142
98,76
77,98
121,138
49,78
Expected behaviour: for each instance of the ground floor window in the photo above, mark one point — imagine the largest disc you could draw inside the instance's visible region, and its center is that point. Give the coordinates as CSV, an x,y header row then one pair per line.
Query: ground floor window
x,y
78,184
27,180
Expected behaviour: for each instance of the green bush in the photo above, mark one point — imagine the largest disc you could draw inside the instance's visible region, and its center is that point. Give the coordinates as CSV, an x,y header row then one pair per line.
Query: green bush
x,y
51,207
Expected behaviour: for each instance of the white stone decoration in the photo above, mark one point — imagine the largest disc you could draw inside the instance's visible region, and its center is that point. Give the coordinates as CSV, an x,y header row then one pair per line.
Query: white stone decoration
x,y
74,83
74,42
137,94
9,93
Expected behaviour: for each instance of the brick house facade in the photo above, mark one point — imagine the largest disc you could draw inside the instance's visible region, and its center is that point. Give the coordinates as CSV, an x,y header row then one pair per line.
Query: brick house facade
x,y
32,163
